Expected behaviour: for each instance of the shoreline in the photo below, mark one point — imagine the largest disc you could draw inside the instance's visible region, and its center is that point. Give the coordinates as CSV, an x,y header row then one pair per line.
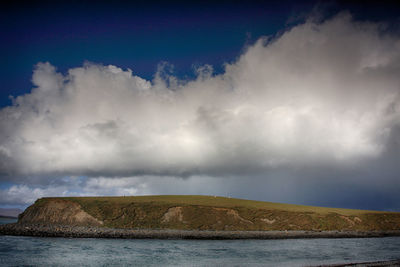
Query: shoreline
x,y
67,231
387,263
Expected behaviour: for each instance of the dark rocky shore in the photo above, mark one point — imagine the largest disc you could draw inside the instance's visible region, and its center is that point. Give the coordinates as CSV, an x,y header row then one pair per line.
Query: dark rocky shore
x,y
392,263
41,230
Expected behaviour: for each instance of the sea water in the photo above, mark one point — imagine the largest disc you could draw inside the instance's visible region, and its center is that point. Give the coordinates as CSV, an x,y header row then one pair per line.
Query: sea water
x,y
45,251
7,220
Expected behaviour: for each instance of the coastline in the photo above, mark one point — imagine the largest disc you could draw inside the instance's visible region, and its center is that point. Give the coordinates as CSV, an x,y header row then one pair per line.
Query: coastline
x,y
389,263
67,231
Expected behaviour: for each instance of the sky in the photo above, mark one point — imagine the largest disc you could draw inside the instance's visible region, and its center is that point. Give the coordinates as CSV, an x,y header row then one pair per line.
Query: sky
x,y
282,101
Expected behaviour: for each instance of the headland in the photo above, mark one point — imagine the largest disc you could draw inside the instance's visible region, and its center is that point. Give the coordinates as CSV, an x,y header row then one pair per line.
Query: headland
x,y
195,217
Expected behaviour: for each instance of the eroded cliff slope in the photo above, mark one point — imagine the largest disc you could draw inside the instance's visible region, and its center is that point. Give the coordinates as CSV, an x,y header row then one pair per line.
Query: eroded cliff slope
x,y
57,211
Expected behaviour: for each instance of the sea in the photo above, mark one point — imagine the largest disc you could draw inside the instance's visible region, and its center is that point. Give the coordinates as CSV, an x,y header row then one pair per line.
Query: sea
x,y
47,251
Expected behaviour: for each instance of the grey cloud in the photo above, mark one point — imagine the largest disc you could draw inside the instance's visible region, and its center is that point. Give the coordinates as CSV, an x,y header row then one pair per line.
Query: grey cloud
x,y
320,94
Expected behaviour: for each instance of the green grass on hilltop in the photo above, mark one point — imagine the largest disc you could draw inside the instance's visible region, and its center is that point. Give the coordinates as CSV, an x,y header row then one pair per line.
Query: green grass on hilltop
x,y
213,201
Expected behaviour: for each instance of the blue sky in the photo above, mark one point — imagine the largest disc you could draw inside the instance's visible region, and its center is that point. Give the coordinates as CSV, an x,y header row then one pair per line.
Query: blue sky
x,y
54,139
140,35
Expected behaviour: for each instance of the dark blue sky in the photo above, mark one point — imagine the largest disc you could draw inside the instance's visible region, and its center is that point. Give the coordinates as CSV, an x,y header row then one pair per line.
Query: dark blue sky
x,y
140,35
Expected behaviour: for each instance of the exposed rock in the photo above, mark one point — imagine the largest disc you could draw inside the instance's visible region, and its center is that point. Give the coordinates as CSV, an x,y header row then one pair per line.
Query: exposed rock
x,y
233,213
348,220
102,232
174,213
268,221
58,211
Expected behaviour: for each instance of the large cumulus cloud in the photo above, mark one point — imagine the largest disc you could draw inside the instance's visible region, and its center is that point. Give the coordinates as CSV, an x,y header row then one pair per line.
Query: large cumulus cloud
x,y
320,94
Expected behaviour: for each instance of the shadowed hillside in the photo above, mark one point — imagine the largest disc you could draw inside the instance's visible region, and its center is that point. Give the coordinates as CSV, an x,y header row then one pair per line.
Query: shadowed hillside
x,y
201,213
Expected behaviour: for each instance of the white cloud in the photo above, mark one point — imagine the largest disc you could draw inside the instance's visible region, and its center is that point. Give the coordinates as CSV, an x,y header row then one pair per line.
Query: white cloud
x,y
321,93
26,195
116,186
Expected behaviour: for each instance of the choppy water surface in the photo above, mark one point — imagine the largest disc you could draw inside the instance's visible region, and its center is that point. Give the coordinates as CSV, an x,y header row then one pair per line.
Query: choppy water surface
x,y
33,251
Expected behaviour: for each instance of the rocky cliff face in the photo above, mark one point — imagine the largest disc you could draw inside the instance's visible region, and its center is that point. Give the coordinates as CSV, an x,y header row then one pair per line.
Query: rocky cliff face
x,y
58,211
200,213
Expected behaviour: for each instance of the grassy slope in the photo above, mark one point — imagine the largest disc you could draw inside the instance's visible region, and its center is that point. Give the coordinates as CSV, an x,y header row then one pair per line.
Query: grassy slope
x,y
212,213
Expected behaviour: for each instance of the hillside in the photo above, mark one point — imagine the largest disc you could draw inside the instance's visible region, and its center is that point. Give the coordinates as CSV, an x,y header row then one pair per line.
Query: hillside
x,y
201,213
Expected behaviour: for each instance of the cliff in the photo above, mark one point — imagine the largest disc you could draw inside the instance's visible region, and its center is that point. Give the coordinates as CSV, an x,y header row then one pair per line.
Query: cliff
x,y
57,211
201,213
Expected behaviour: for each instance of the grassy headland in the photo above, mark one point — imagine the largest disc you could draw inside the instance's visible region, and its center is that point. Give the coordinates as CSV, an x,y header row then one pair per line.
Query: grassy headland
x,y
189,212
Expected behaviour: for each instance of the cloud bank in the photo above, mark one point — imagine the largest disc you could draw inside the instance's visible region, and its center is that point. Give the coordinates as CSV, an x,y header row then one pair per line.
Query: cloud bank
x,y
320,94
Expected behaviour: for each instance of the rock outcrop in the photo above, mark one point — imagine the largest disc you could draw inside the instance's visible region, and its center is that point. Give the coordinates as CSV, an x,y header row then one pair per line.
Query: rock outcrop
x,y
58,211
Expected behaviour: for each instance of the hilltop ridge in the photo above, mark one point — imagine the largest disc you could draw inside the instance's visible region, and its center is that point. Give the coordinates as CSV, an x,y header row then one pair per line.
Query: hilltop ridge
x,y
189,212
